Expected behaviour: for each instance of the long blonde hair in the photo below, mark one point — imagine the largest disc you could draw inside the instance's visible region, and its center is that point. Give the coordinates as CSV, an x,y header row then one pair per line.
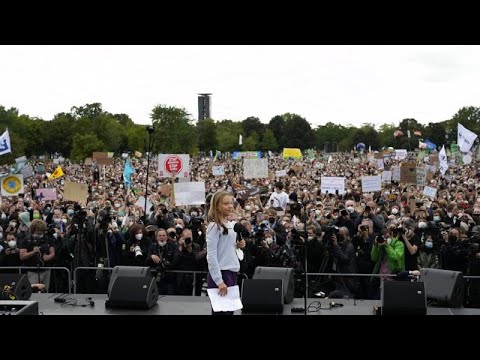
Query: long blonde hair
x,y
214,214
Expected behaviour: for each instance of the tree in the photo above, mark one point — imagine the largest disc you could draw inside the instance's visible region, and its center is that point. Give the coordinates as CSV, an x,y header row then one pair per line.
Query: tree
x,y
298,132
252,125
84,145
331,133
207,135
228,132
277,125
174,132
250,143
269,142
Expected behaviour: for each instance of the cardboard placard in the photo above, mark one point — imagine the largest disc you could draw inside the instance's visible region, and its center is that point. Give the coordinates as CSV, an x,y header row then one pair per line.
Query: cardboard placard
x,y
166,189
99,155
75,192
105,161
408,173
88,161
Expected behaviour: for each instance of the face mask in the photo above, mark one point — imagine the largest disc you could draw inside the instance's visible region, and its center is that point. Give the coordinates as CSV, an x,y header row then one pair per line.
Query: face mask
x,y
162,243
394,211
269,240
13,223
436,218
318,212
271,220
55,235
452,238
389,240
422,225
37,236
402,213
290,202
4,216
310,238
350,209
64,221
70,212
429,245
248,208
12,244
193,214
449,214
138,236
57,221
117,205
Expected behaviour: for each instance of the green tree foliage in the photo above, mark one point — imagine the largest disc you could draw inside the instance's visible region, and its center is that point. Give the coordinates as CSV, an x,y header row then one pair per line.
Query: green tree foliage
x,y
207,135
252,125
332,133
251,143
174,132
298,132
269,142
467,116
227,135
84,145
277,126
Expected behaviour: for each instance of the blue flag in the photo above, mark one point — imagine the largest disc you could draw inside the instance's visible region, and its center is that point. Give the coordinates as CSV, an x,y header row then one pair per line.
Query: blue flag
x,y
127,172
430,145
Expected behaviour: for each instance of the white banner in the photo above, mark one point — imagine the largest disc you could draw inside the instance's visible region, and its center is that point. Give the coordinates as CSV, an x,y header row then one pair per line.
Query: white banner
x,y
421,175
396,173
177,165
400,154
190,193
281,173
371,183
255,168
386,176
429,191
465,138
331,184
141,202
380,164
442,156
218,170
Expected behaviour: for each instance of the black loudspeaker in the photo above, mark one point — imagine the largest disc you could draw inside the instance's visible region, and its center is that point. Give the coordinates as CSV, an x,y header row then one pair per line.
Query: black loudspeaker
x,y
262,295
446,287
132,287
285,274
403,298
15,287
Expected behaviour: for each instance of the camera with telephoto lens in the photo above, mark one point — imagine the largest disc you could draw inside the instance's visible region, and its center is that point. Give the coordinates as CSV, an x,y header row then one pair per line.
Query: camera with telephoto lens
x,y
380,239
329,231
188,241
398,231
138,251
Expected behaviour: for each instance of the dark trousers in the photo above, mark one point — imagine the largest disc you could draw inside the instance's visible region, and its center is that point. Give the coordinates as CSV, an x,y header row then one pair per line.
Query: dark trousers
x,y
230,279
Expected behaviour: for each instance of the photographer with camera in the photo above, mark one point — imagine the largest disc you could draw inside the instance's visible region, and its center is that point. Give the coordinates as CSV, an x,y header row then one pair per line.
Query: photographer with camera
x,y
160,258
370,213
136,245
363,243
412,244
344,221
454,252
37,249
9,252
388,255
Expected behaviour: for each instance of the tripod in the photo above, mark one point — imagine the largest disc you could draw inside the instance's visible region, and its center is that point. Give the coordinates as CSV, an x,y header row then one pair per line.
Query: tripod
x,y
329,262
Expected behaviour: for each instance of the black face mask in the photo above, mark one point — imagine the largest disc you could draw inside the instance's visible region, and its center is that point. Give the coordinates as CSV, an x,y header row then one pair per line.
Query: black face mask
x,y
452,239
271,220
340,238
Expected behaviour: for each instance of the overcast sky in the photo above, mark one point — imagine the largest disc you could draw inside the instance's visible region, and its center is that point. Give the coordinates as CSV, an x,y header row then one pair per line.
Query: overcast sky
x,y
340,84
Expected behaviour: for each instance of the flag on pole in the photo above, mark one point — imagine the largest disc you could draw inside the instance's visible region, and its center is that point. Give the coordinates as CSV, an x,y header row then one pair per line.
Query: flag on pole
x,y
127,172
408,134
240,140
56,174
5,145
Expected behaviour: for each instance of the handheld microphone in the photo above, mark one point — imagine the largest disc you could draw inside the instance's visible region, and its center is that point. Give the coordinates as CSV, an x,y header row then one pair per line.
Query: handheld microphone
x,y
240,229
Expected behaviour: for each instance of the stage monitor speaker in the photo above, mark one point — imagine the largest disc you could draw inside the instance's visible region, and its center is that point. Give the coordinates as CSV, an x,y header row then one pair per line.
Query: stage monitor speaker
x,y
285,274
446,287
15,287
403,298
128,271
132,292
262,295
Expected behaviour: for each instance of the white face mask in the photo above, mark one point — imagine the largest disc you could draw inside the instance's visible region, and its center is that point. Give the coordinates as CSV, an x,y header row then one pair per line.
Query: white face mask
x,y
310,238
389,240
269,240
449,214
117,205
318,212
138,236
422,225
394,211
64,221
12,244
248,207
195,214
402,214
350,209
55,235
436,218
4,216
162,243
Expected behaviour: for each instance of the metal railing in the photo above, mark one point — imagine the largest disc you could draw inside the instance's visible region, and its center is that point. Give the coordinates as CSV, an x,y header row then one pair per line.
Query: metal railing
x,y
36,268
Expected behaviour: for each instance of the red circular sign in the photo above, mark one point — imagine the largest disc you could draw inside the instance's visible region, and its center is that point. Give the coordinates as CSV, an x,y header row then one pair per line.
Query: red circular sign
x,y
173,164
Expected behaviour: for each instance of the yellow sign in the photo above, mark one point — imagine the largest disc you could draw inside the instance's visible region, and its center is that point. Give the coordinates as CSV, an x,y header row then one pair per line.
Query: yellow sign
x,y
291,153
12,185
56,174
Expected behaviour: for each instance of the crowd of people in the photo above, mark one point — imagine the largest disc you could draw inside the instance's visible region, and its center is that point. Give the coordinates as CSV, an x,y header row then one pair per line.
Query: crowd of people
x,y
384,232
